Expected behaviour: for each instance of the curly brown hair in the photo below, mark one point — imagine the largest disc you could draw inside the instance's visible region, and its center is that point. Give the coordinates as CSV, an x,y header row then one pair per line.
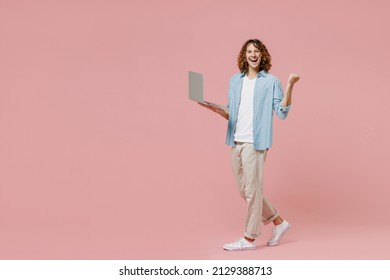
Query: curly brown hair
x,y
265,63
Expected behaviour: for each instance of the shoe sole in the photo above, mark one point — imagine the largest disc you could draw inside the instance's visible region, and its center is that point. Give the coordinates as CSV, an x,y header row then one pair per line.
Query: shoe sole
x,y
239,249
280,238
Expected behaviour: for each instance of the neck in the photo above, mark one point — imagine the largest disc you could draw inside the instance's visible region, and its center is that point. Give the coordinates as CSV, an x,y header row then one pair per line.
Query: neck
x,y
252,73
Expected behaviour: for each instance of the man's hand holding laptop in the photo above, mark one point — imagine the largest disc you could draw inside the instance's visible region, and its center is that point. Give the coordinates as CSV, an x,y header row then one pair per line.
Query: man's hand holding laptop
x,y
224,112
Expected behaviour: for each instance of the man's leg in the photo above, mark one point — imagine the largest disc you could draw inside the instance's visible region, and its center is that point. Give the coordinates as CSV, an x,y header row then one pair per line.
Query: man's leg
x,y
269,213
238,172
253,167
247,165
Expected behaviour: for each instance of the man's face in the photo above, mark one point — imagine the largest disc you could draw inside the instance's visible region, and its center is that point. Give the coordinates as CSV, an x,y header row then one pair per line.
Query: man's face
x,y
253,57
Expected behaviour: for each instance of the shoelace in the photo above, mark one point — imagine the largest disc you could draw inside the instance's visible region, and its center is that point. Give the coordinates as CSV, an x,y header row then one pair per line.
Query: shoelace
x,y
274,232
240,243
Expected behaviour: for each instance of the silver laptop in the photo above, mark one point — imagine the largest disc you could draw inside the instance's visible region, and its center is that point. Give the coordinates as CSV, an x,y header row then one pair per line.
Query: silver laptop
x,y
195,85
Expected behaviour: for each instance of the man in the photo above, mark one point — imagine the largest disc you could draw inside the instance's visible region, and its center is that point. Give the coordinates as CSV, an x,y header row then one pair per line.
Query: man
x,y
253,95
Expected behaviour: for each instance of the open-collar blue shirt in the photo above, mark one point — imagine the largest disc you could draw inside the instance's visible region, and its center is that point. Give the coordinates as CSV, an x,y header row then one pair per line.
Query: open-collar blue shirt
x,y
267,98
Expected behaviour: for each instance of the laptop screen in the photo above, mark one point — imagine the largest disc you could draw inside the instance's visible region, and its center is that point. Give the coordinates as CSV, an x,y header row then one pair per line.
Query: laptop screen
x,y
195,85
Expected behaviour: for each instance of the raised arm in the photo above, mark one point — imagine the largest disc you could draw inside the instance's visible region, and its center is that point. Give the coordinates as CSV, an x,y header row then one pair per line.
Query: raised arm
x,y
292,79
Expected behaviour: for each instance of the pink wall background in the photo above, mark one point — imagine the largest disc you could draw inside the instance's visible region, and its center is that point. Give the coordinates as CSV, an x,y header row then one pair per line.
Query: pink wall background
x,y
102,155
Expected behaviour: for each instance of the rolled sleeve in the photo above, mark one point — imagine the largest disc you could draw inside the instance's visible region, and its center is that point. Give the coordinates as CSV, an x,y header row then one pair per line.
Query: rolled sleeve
x,y
280,110
285,109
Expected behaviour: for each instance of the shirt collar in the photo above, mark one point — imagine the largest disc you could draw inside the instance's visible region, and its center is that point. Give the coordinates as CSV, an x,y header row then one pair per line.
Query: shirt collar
x,y
261,73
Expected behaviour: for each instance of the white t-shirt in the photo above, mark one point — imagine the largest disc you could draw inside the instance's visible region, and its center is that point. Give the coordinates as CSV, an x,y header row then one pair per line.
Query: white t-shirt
x,y
244,126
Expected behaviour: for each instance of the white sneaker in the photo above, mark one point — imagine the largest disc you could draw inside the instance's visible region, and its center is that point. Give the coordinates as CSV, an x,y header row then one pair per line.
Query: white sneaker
x,y
278,232
240,245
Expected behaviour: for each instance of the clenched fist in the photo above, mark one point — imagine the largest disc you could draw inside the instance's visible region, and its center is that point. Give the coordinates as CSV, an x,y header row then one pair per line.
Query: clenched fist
x,y
293,78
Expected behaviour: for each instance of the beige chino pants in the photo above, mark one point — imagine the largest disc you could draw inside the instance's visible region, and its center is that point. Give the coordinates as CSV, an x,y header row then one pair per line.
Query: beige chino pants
x,y
248,168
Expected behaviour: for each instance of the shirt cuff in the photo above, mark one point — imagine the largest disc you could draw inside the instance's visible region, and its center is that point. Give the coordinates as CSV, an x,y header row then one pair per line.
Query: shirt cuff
x,y
285,109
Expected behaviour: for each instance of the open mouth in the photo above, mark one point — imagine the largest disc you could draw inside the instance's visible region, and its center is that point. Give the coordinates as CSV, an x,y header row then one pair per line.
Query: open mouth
x,y
253,59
